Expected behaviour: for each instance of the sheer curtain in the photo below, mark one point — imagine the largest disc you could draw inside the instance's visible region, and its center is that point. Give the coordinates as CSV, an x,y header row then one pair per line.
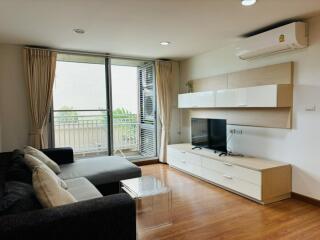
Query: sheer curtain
x,y
39,68
163,78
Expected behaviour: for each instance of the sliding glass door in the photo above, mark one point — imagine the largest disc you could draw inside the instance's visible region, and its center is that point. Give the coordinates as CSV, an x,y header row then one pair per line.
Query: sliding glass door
x,y
104,106
133,103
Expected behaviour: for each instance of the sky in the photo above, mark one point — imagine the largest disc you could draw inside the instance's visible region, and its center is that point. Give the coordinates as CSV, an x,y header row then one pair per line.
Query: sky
x,y
82,86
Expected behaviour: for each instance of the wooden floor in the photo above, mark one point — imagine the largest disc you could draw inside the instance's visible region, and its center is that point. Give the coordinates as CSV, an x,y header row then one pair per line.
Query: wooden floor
x,y
202,211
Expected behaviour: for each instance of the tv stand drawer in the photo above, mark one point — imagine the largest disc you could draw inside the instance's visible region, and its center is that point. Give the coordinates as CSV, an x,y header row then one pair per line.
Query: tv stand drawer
x,y
185,161
241,186
233,183
183,157
228,168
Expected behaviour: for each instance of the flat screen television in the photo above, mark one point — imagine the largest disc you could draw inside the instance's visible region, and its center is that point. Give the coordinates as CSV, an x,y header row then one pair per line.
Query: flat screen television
x,y
209,133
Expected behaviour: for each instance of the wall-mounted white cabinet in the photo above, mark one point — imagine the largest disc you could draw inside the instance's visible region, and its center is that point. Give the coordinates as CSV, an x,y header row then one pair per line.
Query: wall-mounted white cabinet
x,y
197,100
266,96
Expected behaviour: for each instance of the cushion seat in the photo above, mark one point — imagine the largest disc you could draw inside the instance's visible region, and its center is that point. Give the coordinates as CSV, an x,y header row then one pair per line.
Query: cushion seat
x,y
81,189
100,170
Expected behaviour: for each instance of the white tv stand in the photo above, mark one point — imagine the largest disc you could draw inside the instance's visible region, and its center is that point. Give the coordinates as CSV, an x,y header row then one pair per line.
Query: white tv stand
x,y
263,181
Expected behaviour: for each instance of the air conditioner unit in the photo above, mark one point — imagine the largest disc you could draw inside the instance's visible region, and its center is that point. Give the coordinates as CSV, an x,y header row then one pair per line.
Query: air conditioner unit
x,y
282,39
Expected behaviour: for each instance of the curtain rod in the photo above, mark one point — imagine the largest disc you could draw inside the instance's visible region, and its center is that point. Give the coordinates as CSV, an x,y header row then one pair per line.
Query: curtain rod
x,y
98,54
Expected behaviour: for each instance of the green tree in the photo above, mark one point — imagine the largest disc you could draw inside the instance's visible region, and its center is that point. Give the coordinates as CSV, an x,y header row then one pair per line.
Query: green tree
x,y
119,115
124,114
120,112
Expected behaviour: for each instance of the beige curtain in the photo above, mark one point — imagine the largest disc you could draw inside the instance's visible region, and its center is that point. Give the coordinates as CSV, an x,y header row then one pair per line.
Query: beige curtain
x,y
39,68
163,78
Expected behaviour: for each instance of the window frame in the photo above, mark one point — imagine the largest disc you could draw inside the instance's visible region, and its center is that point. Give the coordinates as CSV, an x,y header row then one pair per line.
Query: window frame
x,y
109,109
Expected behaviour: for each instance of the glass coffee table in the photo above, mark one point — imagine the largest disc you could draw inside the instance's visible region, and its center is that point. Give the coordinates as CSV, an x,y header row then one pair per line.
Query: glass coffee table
x,y
153,201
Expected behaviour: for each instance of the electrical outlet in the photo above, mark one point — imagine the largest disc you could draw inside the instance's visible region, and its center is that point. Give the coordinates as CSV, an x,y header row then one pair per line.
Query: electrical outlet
x,y
236,131
310,108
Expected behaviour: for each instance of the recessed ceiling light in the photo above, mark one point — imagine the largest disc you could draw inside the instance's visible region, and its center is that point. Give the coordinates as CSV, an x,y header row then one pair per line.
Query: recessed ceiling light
x,y
79,31
248,2
164,43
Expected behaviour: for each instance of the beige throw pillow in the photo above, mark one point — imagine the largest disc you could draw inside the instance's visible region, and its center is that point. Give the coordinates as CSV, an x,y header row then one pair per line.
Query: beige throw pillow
x,y
33,162
43,158
48,190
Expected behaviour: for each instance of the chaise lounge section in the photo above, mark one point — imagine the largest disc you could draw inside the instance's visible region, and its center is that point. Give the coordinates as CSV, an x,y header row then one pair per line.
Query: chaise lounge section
x,y
105,173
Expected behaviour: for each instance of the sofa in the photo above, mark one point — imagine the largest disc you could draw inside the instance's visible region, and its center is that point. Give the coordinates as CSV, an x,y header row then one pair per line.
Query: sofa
x,y
101,212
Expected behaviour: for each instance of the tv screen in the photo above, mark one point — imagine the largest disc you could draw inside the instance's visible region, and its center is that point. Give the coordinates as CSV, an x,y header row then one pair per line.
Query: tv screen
x,y
209,133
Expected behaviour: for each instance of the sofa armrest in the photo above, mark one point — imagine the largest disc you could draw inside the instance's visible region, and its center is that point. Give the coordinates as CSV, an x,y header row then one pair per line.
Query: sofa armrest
x,y
60,155
109,217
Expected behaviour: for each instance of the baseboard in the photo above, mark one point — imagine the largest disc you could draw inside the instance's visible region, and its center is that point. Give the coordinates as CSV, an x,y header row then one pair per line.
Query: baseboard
x,y
304,198
146,162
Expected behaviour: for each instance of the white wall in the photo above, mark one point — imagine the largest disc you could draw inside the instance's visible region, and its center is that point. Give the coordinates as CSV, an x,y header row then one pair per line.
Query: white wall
x,y
14,121
298,146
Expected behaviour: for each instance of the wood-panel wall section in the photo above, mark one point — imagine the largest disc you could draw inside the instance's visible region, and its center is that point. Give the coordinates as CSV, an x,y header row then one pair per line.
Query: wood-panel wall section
x,y
280,117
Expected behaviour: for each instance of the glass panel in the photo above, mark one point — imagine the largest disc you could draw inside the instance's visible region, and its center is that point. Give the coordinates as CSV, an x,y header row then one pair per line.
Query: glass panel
x,y
85,131
125,110
79,86
79,106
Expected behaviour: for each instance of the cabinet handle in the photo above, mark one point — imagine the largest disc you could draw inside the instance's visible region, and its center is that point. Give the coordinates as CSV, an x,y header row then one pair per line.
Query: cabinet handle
x,y
227,176
228,164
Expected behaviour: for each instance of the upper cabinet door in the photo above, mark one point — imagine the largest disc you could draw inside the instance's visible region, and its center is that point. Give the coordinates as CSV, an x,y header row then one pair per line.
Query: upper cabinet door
x,y
241,97
204,99
197,100
226,98
184,100
232,98
262,96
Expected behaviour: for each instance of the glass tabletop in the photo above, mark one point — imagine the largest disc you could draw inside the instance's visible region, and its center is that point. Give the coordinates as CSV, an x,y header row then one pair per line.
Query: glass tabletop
x,y
144,186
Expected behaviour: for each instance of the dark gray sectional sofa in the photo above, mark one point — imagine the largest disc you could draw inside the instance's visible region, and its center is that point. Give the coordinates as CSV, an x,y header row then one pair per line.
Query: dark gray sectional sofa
x,y
100,213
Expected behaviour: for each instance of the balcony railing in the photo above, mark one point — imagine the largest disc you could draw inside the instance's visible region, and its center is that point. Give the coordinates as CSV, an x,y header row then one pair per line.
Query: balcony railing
x,y
89,133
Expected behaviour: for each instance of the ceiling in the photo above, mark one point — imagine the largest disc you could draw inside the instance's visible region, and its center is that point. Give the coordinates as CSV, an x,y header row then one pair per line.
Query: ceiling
x,y
135,27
